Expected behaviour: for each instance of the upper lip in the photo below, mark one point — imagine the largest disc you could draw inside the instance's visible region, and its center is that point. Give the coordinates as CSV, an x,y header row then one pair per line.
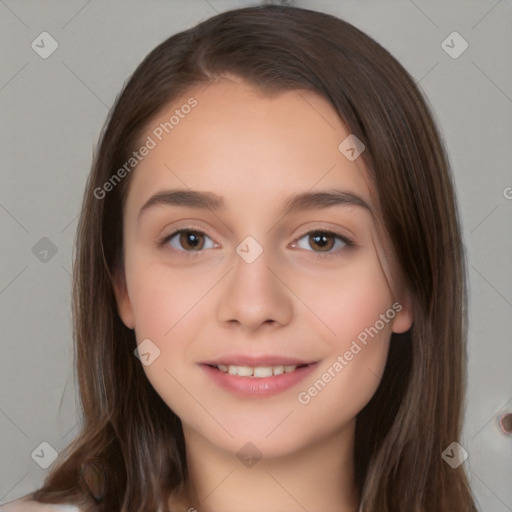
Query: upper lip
x,y
255,361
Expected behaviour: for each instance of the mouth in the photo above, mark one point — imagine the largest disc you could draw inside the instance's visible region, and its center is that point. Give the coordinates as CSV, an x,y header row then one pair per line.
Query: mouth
x,y
261,378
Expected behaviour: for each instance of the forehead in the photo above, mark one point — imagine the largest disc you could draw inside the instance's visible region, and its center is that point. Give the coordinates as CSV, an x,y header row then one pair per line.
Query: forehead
x,y
246,146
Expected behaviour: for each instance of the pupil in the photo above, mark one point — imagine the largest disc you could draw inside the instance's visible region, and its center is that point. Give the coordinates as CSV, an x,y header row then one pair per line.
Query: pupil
x,y
191,239
322,240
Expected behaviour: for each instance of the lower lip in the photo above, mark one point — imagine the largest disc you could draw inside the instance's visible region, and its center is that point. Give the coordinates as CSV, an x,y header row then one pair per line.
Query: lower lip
x,y
264,386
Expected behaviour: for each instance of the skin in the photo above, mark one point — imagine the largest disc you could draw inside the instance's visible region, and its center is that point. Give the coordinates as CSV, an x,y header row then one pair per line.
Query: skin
x,y
255,151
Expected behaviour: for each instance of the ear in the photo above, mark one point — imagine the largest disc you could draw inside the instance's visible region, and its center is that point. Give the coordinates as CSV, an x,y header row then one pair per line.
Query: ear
x,y
124,306
404,314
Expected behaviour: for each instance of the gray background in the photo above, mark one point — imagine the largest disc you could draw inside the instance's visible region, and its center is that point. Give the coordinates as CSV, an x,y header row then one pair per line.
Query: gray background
x,y
51,114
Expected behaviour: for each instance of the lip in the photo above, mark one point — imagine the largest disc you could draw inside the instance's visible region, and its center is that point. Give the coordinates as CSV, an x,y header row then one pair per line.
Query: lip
x,y
255,386
266,360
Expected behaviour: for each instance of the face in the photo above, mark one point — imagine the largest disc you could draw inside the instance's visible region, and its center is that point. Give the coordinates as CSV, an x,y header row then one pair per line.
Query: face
x,y
268,321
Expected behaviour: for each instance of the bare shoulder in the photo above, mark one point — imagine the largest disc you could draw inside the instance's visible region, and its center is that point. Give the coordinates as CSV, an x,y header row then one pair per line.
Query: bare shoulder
x,y
25,504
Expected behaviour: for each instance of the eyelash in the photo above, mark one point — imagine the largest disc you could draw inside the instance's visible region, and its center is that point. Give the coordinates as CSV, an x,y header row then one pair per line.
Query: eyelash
x,y
194,254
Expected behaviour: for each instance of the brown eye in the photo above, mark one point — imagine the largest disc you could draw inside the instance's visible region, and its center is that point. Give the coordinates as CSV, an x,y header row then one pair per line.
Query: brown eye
x,y
188,240
192,240
321,240
324,242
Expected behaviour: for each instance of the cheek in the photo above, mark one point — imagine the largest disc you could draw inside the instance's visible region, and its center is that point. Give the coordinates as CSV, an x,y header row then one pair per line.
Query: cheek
x,y
170,308
354,305
163,299
348,301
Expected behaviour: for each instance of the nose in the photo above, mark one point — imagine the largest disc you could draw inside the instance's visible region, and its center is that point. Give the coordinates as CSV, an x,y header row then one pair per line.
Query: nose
x,y
255,295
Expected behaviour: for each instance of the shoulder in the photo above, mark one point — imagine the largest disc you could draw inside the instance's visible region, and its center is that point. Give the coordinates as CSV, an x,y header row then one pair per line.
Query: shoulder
x,y
25,504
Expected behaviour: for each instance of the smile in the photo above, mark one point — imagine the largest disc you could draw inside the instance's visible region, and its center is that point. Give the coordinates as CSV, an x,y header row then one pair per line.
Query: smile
x,y
257,371
244,380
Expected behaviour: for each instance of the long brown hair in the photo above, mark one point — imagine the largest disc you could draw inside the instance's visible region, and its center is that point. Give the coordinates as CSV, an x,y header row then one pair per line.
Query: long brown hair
x,y
130,453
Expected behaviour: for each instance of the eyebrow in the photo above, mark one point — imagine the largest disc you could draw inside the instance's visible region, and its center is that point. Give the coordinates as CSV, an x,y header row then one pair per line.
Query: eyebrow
x,y
297,202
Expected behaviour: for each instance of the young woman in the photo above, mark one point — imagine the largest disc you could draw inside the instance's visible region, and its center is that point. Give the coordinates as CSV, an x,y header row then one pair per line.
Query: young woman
x,y
269,285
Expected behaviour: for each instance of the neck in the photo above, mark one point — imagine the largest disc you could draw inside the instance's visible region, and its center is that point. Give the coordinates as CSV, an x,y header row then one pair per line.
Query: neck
x,y
316,478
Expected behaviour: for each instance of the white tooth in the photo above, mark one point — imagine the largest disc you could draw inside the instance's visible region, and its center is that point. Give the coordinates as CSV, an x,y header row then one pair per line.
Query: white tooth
x,y
244,371
263,371
259,371
278,370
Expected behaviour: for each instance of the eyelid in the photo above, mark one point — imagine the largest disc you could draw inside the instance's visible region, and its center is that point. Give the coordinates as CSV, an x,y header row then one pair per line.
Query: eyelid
x,y
348,242
164,239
